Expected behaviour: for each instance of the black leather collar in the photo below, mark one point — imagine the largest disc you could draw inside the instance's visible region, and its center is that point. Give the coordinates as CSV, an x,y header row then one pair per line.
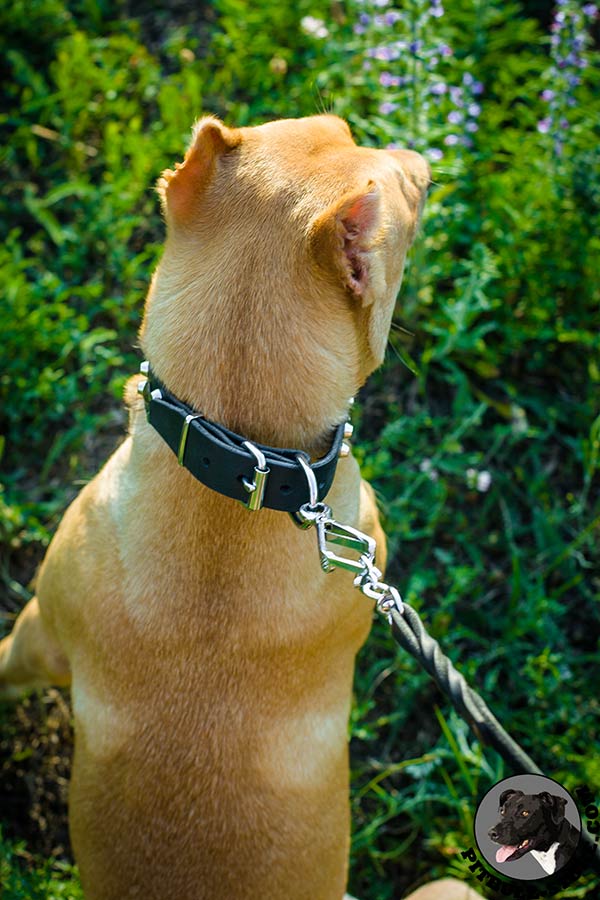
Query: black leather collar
x,y
223,460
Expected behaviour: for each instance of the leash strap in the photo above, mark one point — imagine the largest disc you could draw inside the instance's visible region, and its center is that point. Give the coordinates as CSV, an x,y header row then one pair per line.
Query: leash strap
x,y
408,630
409,633
226,462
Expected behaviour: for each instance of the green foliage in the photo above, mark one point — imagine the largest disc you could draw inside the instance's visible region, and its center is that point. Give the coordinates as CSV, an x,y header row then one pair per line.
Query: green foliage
x,y
23,878
264,63
481,433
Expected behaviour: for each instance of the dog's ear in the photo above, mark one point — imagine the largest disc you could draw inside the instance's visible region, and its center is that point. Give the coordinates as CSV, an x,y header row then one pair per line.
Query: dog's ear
x,y
342,240
180,188
555,806
509,793
345,243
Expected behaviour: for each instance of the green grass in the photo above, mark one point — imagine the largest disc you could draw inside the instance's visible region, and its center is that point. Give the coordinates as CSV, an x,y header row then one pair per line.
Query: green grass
x,y
23,877
491,379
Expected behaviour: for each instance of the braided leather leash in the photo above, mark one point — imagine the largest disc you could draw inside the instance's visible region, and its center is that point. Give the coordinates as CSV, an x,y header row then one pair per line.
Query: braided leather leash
x,y
410,633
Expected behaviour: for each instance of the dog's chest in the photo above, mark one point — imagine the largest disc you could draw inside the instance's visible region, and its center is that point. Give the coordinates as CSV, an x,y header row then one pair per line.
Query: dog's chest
x,y
547,858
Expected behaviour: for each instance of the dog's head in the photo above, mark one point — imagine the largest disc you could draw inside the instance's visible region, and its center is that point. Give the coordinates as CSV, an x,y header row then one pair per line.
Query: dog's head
x,y
527,822
291,238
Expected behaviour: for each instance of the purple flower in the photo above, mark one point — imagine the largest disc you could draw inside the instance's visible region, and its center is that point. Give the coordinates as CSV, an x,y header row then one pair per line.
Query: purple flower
x,y
385,54
455,117
472,127
590,9
548,95
387,108
359,29
437,11
468,78
451,140
364,19
438,88
386,79
435,154
445,50
544,125
477,88
392,17
456,96
564,123
474,109
415,46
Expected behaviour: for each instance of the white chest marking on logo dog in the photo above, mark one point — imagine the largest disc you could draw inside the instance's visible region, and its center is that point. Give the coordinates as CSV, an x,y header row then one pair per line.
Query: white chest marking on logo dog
x,y
547,858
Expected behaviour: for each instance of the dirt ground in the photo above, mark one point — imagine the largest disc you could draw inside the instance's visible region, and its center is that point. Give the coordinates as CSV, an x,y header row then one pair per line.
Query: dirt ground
x,y
36,747
36,734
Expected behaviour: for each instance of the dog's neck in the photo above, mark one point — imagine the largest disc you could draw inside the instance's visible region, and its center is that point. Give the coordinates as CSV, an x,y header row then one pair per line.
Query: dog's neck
x,y
283,378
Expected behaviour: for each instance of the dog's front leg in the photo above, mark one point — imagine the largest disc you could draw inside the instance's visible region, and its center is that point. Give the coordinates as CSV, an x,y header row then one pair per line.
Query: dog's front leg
x,y
445,889
30,657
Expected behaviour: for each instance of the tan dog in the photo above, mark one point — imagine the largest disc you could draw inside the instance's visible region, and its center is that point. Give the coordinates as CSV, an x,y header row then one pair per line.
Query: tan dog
x,y
210,659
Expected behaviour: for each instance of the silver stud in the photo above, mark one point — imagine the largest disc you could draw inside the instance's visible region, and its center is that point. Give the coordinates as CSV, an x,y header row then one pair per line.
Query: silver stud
x,y
344,450
348,430
145,367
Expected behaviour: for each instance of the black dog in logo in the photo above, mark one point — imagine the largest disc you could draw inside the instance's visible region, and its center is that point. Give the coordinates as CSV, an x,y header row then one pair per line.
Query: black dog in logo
x,y
536,824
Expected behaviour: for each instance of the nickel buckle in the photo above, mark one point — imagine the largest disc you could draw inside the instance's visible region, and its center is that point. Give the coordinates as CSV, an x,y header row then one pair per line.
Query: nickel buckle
x,y
256,488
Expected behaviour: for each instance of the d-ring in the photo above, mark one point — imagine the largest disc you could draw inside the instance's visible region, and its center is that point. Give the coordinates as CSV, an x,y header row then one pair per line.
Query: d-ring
x,y
312,481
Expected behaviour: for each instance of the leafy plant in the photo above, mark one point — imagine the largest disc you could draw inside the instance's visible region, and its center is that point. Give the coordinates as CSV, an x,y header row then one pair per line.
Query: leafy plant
x,y
23,878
